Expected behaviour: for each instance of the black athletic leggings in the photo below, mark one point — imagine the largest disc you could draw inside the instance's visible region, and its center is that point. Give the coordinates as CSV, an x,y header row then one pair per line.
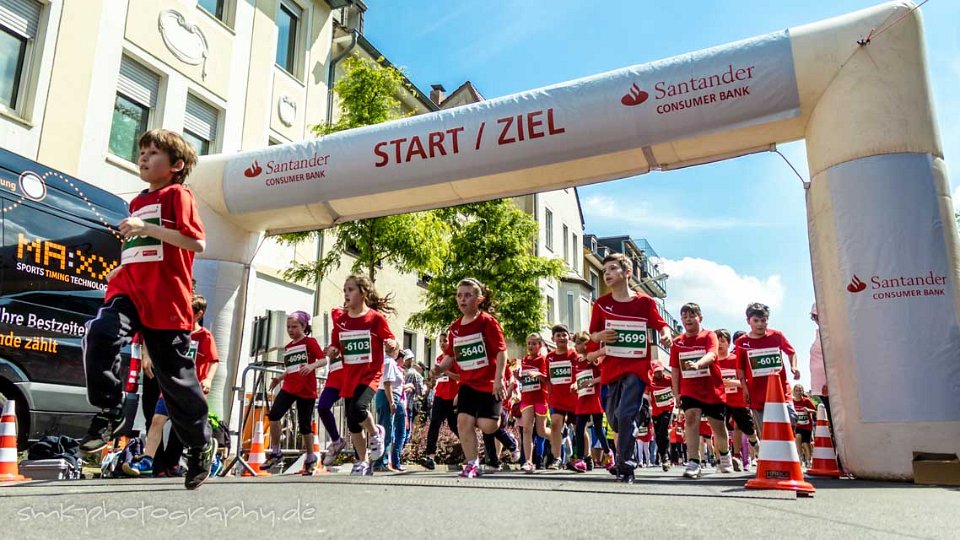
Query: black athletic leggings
x,y
580,437
661,430
443,409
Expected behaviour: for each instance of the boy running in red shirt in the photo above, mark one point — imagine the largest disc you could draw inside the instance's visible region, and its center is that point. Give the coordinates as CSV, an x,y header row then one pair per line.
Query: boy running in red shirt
x,y
563,400
662,403
733,388
759,357
151,293
476,344
698,382
621,320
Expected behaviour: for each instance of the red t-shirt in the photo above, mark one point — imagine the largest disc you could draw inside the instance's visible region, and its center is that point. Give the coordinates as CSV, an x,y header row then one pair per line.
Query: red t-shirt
x,y
806,412
533,390
705,429
204,352
295,355
728,369
475,347
360,342
588,398
335,367
446,387
645,433
630,354
766,354
560,366
508,379
704,385
676,429
156,276
660,395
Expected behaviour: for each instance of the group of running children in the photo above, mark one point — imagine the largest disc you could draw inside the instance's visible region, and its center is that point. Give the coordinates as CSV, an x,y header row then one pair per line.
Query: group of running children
x,y
476,386
151,294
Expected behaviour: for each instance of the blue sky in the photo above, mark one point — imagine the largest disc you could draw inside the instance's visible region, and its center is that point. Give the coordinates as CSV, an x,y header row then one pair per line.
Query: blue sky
x,y
732,232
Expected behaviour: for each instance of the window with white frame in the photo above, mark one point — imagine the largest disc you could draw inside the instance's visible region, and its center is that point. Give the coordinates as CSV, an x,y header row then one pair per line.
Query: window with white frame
x,y
289,27
19,24
570,304
550,309
576,253
595,284
133,108
566,244
548,228
200,123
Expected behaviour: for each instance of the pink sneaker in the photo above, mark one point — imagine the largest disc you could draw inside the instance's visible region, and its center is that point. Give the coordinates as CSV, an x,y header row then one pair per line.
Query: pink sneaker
x,y
469,471
611,461
580,466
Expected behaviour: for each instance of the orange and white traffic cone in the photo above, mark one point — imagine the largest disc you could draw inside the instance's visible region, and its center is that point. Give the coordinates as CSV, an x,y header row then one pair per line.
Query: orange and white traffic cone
x,y
8,445
319,468
824,457
257,455
778,466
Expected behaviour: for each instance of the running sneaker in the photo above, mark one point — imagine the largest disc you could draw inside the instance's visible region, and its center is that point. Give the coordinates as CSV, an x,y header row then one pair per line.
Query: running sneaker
x,y
103,428
589,463
737,464
579,466
360,468
528,468
428,463
665,465
198,465
609,460
333,449
273,459
470,471
555,466
515,455
142,466
626,476
725,465
309,464
692,470
375,444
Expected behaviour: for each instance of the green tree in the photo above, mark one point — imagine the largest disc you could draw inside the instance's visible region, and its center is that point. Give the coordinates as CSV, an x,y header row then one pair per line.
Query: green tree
x,y
491,241
410,242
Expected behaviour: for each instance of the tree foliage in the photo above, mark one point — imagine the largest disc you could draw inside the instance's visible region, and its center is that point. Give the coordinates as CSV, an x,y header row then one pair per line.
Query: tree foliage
x,y
410,242
491,241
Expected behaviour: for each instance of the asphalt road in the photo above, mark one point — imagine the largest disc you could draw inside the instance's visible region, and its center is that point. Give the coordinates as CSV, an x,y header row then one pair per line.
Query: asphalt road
x,y
556,505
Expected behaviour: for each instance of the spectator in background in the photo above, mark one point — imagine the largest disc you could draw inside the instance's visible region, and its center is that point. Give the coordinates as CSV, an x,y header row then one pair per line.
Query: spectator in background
x,y
413,389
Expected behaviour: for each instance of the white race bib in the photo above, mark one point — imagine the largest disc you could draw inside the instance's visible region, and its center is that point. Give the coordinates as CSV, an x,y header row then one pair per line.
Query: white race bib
x,y
335,365
583,378
294,357
143,248
561,372
765,361
631,339
693,356
470,352
663,397
356,347
728,373
528,381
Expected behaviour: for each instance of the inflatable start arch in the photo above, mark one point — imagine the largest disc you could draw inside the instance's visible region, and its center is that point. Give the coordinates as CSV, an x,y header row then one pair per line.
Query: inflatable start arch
x,y
880,218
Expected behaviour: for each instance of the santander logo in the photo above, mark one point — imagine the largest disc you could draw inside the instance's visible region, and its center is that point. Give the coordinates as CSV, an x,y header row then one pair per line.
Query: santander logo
x,y
856,285
634,97
253,170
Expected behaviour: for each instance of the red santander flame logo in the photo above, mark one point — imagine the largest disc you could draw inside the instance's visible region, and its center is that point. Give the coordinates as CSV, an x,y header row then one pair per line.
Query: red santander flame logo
x,y
253,170
634,97
856,285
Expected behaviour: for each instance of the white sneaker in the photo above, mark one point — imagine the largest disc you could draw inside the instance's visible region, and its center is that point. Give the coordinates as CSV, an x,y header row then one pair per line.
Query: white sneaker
x,y
692,470
360,468
737,464
726,464
334,448
375,445
515,455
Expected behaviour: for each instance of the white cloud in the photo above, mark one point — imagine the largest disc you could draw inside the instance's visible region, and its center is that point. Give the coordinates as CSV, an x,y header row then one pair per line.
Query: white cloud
x,y
721,292
600,208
